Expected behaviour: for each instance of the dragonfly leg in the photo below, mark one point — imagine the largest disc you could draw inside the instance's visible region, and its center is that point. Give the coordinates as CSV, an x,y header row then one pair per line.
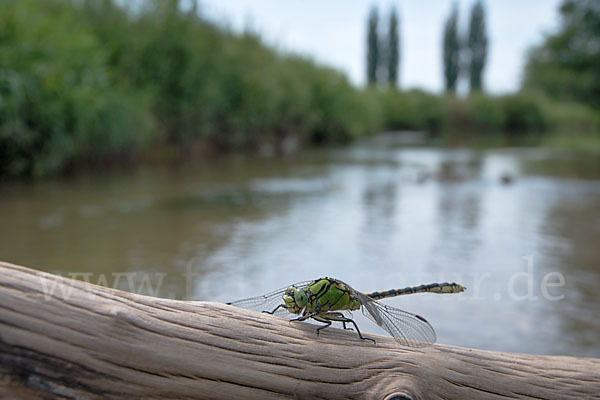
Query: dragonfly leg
x,y
325,321
358,331
333,316
302,318
276,308
342,319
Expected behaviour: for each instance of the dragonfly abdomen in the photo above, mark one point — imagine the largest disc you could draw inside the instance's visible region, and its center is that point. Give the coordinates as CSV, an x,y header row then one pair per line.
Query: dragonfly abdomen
x,y
439,288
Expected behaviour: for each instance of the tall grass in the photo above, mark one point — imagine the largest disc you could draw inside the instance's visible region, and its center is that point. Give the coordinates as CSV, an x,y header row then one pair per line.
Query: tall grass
x,y
94,79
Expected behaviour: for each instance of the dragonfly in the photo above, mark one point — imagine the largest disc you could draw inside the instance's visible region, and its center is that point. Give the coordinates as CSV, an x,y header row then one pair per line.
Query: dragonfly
x,y
328,300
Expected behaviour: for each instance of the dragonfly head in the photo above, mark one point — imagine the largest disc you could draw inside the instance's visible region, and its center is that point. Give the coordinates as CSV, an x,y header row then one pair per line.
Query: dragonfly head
x,y
295,299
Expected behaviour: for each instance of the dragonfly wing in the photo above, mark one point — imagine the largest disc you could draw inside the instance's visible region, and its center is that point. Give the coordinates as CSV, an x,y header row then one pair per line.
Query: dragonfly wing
x,y
269,301
408,329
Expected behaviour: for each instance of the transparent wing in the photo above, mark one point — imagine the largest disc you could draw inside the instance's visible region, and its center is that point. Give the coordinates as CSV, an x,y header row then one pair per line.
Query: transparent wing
x,y
269,301
408,329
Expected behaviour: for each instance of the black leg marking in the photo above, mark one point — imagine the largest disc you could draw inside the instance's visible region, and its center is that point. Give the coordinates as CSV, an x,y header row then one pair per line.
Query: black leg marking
x,y
358,331
342,320
302,318
323,320
339,317
276,308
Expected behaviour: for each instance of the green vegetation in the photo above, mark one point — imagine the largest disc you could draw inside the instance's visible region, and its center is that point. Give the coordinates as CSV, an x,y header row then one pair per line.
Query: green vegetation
x,y
516,118
94,81
567,65
566,69
59,101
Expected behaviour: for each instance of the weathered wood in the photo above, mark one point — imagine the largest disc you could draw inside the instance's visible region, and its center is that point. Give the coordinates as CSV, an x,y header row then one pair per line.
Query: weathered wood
x,y
104,343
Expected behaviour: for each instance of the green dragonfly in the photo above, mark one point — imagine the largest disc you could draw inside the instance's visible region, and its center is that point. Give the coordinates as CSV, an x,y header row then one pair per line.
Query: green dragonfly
x,y
326,300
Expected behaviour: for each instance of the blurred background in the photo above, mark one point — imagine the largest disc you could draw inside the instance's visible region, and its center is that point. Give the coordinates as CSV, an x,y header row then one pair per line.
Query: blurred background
x,y
215,150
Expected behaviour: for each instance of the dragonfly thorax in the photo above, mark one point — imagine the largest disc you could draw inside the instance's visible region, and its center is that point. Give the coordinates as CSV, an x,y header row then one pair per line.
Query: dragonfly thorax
x,y
321,295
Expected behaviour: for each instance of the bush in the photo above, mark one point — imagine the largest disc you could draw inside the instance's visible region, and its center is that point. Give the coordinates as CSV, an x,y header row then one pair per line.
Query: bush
x,y
571,118
411,110
90,79
523,114
510,116
58,99
486,114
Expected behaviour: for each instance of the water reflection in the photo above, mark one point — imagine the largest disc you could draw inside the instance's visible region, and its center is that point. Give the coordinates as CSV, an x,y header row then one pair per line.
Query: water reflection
x,y
375,215
379,205
572,222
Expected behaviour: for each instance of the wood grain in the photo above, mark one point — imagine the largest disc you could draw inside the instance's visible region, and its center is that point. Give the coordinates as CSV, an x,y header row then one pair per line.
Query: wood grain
x,y
105,343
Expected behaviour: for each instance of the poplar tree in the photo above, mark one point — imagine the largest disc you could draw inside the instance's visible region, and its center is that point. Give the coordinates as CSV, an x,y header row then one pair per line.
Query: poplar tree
x,y
477,45
372,48
382,60
393,58
451,50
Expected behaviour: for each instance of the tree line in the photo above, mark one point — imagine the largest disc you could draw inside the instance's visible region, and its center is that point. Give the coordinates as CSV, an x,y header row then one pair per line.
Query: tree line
x,y
462,56
465,56
567,65
383,50
107,81
560,93
103,82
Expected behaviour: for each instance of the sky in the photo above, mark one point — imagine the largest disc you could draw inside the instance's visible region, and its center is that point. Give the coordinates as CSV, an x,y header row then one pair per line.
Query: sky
x,y
333,33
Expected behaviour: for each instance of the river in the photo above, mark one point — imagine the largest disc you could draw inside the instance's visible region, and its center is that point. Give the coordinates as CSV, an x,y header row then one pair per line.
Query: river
x,y
519,227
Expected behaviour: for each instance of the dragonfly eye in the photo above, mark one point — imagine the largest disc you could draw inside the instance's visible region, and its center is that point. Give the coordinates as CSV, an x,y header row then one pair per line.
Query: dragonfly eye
x,y
300,297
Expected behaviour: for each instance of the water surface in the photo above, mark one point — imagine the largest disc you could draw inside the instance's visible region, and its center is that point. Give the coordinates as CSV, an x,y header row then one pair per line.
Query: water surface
x,y
518,227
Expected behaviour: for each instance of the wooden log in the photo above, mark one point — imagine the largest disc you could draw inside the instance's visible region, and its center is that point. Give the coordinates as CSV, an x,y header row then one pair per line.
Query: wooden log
x,y
96,342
